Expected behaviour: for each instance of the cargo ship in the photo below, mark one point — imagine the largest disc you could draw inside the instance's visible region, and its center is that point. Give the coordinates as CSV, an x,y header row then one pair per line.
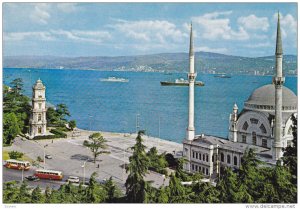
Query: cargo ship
x,y
180,82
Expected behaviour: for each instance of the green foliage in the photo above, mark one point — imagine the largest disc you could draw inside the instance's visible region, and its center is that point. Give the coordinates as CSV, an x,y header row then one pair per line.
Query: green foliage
x,y
37,196
180,173
15,155
172,162
58,133
72,124
57,116
113,192
95,143
137,168
11,128
158,162
290,153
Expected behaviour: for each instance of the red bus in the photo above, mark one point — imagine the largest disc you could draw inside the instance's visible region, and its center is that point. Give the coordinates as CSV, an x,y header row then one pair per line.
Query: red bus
x,y
49,174
16,164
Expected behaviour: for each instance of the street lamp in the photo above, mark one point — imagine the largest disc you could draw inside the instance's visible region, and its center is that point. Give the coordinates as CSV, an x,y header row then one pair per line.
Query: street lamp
x,y
45,154
22,173
83,166
90,122
137,122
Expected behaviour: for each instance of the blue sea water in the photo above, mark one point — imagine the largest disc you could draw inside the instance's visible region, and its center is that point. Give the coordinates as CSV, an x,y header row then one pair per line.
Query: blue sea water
x,y
163,110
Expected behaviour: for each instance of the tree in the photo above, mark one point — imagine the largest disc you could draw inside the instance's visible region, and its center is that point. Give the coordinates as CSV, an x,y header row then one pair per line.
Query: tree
x,y
24,195
17,86
37,196
15,155
137,168
113,193
177,192
10,192
157,162
72,124
62,111
94,192
290,153
10,128
96,143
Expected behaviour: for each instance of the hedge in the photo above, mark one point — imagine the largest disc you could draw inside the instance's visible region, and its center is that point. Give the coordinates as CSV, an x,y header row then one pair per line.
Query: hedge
x,y
57,134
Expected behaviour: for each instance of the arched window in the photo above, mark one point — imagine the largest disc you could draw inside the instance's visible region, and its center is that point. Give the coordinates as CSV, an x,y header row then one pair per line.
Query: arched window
x,y
206,158
199,156
235,160
39,117
245,126
212,158
263,129
39,130
228,159
253,138
222,157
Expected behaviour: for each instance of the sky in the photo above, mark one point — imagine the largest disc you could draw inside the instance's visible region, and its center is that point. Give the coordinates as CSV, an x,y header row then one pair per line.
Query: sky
x,y
122,29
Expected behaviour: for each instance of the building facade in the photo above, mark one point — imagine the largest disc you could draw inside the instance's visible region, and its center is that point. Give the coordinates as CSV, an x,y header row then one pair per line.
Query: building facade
x,y
38,122
264,125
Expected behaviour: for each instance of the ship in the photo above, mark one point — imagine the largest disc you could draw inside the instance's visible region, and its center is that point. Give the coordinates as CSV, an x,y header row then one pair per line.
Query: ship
x,y
222,76
114,79
180,82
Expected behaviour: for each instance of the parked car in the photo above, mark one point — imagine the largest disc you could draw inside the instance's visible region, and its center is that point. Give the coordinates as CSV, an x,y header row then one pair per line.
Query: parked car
x,y
48,156
73,179
32,178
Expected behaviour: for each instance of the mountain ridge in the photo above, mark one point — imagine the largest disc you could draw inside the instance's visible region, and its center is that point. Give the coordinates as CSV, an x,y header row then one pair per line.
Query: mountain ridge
x,y
205,62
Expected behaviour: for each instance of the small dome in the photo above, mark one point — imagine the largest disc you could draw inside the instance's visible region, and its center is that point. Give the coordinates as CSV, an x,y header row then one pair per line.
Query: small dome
x,y
265,95
38,85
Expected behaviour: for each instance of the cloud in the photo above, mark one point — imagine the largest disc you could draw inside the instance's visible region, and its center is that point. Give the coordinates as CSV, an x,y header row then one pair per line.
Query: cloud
x,y
40,13
217,26
155,31
20,36
254,23
208,49
67,7
74,35
287,23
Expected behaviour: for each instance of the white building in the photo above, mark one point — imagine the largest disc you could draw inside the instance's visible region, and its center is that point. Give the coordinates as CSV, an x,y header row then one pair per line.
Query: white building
x,y
264,124
38,120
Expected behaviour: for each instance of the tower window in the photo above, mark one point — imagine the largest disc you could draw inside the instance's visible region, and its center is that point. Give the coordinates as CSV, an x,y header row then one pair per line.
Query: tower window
x,y
212,158
235,160
245,126
39,117
253,138
39,130
264,143
40,106
228,159
263,129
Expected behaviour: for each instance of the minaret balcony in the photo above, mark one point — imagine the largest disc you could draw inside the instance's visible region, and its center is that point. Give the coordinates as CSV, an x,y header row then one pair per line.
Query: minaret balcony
x,y
278,80
192,76
39,110
39,99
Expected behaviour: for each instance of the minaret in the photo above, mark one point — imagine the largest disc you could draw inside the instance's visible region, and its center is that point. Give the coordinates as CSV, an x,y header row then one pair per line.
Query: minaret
x,y
38,117
232,123
278,81
190,132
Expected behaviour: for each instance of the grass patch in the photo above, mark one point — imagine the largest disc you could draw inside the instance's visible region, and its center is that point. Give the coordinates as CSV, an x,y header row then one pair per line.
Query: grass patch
x,y
5,156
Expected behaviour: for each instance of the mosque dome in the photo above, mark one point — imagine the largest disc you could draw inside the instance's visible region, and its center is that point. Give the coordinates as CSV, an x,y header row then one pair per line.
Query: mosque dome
x,y
264,98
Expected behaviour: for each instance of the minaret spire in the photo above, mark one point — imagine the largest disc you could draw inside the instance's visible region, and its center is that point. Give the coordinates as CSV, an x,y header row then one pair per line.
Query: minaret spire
x,y
190,135
278,38
278,81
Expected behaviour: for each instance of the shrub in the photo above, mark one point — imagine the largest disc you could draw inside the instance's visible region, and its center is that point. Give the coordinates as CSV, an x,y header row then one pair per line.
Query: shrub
x,y
15,155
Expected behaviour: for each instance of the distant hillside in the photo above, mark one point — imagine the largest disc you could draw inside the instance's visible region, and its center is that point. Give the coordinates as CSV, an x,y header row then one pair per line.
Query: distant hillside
x,y
205,62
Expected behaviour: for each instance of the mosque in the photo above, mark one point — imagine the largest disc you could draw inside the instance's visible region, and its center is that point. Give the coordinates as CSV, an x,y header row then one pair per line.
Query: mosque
x,y
264,124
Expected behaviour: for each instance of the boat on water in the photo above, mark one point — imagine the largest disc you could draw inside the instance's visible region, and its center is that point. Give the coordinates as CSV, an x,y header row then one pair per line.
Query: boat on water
x,y
114,79
180,82
222,76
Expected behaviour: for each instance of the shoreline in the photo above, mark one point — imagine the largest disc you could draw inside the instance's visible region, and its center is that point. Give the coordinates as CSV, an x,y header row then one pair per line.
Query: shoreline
x,y
134,71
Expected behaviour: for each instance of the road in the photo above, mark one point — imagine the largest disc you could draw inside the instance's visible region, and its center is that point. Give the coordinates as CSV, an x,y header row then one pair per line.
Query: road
x,y
69,156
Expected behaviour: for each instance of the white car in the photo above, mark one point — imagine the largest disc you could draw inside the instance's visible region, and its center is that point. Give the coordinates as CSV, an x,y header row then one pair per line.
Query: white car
x,y
73,179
